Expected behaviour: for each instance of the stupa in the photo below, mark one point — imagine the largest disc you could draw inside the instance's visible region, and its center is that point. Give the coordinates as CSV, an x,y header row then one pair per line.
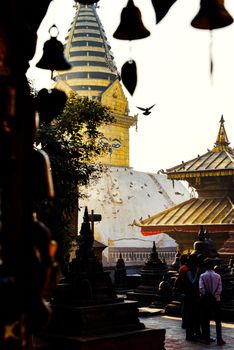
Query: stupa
x,y
152,275
211,174
122,194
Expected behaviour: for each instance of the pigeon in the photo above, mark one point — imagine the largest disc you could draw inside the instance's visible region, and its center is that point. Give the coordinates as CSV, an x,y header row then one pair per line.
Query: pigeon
x,y
146,110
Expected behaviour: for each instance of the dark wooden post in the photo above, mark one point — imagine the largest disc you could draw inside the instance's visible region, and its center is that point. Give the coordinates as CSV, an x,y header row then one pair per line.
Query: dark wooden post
x,y
19,22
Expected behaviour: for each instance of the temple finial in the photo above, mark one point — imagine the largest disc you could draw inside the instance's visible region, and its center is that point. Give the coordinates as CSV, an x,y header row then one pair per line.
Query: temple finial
x,y
86,215
222,142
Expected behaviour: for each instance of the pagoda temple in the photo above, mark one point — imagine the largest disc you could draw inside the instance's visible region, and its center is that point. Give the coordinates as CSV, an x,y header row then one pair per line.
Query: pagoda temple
x,y
212,175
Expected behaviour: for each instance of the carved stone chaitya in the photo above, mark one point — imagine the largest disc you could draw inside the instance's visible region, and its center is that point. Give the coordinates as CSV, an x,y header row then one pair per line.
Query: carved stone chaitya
x,y
152,274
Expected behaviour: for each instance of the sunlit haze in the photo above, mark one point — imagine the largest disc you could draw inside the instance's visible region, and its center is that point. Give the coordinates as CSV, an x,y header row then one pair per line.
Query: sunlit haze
x,y
173,72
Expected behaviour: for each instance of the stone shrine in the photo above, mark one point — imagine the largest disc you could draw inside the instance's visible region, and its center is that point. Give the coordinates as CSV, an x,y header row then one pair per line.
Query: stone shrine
x,y
88,315
151,274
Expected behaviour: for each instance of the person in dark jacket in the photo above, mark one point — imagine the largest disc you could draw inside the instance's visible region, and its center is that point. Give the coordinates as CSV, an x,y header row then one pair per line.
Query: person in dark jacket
x,y
180,286
192,300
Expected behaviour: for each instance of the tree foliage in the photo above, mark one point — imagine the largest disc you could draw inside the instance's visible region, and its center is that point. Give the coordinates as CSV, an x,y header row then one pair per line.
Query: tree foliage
x,y
72,143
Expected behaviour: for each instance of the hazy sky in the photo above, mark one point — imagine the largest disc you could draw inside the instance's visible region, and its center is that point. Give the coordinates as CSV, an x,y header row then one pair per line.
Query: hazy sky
x,y
173,73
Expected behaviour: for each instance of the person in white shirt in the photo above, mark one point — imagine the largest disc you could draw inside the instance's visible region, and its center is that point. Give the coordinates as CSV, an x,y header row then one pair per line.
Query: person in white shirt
x,y
210,288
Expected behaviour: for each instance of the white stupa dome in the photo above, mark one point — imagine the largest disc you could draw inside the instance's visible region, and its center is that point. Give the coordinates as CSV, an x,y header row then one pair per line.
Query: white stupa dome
x,y
123,196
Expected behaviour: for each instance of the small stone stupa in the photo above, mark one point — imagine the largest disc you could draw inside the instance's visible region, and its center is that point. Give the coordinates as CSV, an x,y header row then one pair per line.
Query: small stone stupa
x,y
152,274
120,274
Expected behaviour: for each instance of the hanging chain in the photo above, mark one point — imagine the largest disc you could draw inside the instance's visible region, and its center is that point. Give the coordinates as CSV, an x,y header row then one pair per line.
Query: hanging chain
x,y
211,56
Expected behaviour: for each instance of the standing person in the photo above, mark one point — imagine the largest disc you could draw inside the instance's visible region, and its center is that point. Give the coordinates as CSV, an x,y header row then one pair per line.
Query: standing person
x,y
210,286
180,286
192,300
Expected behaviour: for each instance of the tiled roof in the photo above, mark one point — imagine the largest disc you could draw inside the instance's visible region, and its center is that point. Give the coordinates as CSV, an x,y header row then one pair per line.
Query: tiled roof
x,y
193,213
216,162
210,163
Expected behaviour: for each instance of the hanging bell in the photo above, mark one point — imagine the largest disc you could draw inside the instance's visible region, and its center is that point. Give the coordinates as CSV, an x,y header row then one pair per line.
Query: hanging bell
x,y
131,26
50,103
129,75
212,15
161,7
53,57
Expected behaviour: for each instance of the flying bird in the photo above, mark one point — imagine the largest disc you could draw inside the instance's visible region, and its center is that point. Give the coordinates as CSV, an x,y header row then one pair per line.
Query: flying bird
x,y
146,110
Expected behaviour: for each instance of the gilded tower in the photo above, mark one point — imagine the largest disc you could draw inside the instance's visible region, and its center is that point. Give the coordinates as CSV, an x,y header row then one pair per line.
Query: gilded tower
x,y
94,74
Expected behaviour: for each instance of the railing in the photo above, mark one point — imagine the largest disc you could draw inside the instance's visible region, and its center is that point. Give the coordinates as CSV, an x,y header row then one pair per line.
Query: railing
x,y
138,256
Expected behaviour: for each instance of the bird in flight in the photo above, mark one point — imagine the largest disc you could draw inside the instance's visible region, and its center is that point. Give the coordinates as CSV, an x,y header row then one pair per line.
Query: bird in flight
x,y
146,110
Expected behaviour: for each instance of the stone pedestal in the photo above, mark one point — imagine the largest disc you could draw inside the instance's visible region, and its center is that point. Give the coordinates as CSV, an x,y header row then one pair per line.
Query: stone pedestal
x,y
119,316
150,339
98,327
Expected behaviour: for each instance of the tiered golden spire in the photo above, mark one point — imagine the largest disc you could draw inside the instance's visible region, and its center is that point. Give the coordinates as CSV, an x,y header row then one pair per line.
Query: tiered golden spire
x,y
222,142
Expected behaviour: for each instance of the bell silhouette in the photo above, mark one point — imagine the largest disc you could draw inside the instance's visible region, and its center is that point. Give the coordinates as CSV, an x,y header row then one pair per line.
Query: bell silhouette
x,y
53,57
129,75
161,7
131,26
42,181
50,103
212,15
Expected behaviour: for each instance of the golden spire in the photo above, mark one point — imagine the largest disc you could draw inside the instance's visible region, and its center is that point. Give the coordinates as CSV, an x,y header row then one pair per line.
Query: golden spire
x,y
222,142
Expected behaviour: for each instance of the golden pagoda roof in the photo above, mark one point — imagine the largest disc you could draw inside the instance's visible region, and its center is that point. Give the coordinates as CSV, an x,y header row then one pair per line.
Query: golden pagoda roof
x,y
214,213
216,162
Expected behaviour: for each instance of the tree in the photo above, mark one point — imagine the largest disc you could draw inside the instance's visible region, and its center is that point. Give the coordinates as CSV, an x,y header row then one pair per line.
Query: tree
x,y
72,143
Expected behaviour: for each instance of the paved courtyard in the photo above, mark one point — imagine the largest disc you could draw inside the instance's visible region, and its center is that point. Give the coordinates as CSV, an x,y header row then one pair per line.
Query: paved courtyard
x,y
175,335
